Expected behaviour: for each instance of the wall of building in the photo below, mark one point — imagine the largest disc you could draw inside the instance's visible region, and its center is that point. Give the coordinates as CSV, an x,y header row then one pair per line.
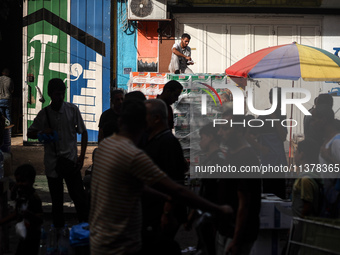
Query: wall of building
x,y
146,49
129,55
166,40
126,46
69,40
330,32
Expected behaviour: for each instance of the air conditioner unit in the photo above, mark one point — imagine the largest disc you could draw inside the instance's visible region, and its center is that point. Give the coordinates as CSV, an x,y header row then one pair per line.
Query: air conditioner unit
x,y
147,9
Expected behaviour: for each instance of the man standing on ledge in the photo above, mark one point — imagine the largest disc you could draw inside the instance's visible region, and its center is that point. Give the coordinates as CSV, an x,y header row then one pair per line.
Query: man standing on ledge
x,y
181,56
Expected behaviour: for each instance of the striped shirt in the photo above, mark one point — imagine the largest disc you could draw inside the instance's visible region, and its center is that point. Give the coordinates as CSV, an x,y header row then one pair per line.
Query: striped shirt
x,y
119,174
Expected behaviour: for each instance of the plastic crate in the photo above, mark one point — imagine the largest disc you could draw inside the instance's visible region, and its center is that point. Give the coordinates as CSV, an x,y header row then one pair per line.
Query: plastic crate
x,y
201,77
140,77
137,87
178,77
158,78
219,81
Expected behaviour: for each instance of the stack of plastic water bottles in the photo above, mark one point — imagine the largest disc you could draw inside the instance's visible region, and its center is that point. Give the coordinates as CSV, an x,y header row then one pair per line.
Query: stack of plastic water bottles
x,y
54,243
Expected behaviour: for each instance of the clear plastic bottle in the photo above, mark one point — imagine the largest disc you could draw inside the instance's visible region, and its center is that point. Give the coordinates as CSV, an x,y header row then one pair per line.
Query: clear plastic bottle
x,y
64,241
52,244
43,241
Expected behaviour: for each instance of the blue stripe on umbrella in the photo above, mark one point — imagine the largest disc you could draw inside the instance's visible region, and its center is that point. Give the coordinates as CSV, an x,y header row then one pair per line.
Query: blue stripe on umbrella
x,y
282,63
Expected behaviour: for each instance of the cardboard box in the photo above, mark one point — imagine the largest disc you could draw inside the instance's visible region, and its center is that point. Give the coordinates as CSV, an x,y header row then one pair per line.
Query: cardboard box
x,y
275,214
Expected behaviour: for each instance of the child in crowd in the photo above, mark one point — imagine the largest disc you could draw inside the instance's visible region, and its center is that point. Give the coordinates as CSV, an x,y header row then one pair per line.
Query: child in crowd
x,y
306,188
306,194
28,209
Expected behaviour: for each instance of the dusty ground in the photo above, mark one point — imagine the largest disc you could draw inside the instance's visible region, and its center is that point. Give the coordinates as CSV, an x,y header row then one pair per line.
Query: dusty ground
x,y
34,154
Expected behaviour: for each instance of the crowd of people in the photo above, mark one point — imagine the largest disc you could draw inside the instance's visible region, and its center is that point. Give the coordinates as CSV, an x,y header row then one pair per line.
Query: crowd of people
x,y
138,198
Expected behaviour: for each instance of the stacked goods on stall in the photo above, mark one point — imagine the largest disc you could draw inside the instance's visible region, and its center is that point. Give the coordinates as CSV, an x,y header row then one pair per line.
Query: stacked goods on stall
x,y
190,102
188,115
150,84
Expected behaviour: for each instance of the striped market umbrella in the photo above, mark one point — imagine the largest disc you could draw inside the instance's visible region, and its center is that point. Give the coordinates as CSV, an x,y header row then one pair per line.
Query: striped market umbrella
x,y
289,61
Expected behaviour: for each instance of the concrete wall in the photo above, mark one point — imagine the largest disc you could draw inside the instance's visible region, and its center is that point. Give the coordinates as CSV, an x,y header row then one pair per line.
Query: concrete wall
x,y
126,45
330,40
330,32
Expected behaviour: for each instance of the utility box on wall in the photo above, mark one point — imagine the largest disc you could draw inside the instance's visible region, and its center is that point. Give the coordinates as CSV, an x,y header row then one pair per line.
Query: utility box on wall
x,y
67,39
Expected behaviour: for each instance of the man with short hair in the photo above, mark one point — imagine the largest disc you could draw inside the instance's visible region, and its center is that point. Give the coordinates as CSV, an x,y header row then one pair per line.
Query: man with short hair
x,y
108,123
57,126
120,172
166,152
171,91
309,131
6,90
181,56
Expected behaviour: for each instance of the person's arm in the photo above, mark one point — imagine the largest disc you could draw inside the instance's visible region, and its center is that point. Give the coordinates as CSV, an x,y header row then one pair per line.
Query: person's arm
x,y
81,157
2,128
36,217
11,86
32,134
242,215
100,135
307,209
101,127
308,191
176,52
38,127
152,193
8,218
182,194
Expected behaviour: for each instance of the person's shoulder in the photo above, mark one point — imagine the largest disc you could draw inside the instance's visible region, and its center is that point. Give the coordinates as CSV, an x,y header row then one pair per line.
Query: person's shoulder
x,y
308,181
4,77
335,141
108,112
176,45
42,112
121,142
188,48
167,134
167,137
70,106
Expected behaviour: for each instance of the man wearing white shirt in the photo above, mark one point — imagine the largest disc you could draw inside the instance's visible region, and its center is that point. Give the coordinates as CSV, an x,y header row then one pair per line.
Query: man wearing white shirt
x,y
181,56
